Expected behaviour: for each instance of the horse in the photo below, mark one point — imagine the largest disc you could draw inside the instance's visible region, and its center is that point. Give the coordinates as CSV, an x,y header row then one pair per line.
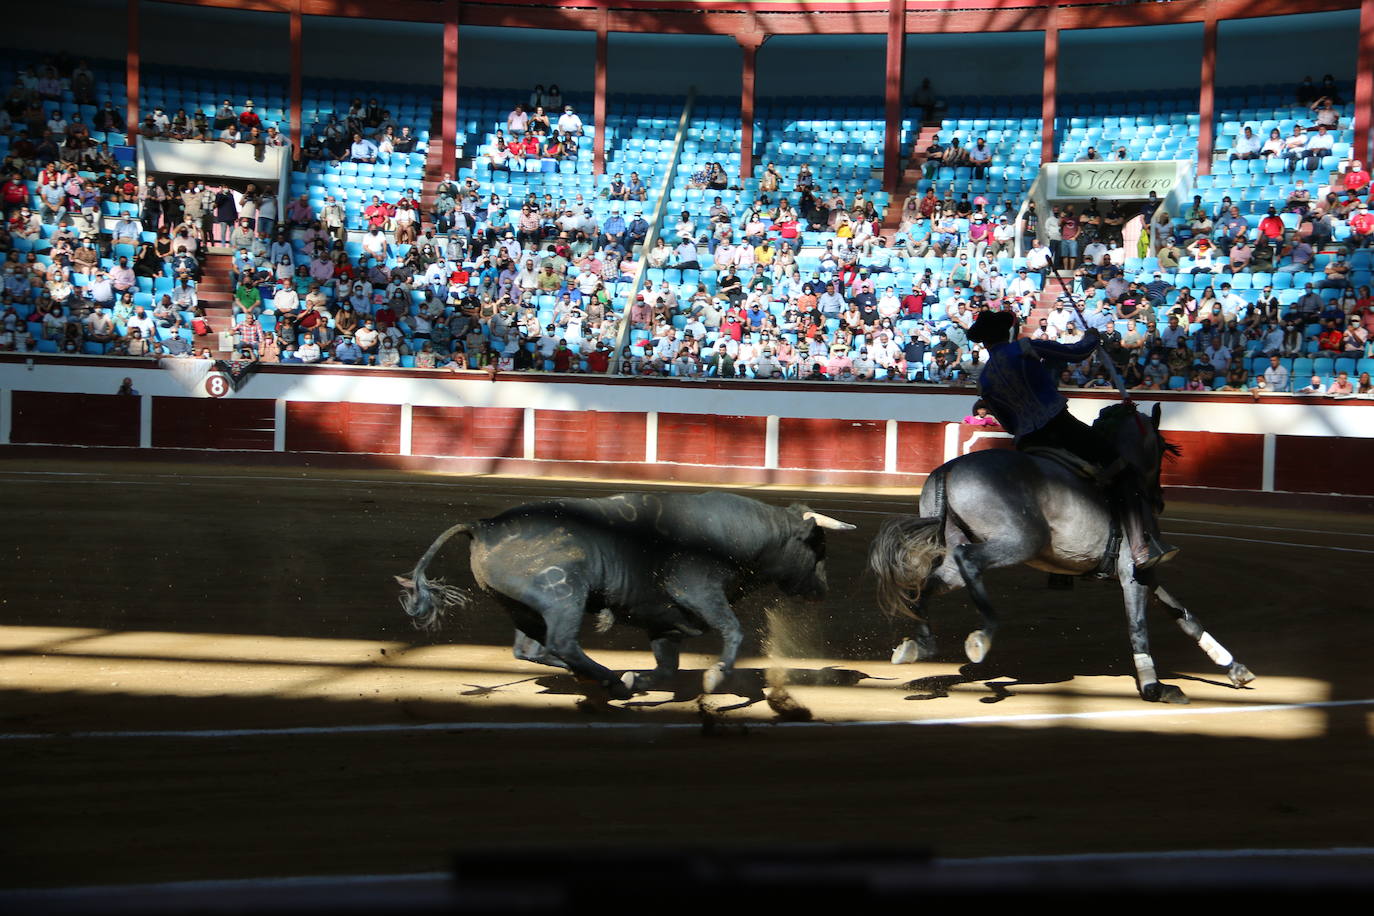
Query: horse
x,y
996,508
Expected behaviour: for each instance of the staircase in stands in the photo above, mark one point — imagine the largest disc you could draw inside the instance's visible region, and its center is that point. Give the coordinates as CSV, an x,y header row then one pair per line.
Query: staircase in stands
x,y
216,296
914,165
434,166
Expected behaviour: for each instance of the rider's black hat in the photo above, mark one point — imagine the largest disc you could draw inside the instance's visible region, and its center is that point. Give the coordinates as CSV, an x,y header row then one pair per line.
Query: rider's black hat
x,y
992,327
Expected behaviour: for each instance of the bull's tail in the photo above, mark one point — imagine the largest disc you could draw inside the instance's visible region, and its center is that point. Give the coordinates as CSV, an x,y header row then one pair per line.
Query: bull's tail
x,y
428,600
902,555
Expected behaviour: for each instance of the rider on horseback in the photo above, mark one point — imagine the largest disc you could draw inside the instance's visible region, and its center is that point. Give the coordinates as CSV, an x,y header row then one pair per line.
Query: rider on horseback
x,y
1024,398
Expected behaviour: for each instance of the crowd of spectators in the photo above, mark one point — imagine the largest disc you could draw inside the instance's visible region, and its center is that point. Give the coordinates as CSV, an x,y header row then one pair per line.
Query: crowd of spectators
x,y
795,282
94,261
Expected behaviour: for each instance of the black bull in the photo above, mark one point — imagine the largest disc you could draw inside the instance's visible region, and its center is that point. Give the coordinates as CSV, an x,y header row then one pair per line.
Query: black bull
x,y
670,563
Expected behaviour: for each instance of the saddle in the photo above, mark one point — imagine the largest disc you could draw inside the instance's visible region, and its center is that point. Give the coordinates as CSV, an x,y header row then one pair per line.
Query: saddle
x,y
1081,467
1102,477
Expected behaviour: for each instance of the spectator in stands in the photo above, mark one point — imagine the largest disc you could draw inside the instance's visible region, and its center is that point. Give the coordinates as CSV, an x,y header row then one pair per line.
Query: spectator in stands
x,y
362,150
1295,147
1314,386
569,123
1246,145
980,157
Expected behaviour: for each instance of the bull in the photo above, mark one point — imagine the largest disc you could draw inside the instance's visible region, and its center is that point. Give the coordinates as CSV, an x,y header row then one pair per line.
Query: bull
x,y
669,563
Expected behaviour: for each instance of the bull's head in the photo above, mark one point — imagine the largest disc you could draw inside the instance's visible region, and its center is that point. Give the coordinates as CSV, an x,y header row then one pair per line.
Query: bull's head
x,y
799,567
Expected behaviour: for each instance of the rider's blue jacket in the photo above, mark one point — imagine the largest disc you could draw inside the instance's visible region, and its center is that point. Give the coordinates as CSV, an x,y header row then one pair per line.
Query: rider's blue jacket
x,y
1021,392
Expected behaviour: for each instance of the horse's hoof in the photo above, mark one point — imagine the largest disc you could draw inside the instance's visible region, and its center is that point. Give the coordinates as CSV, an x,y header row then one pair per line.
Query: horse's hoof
x,y
631,681
1164,693
977,646
906,653
1240,675
619,690
712,679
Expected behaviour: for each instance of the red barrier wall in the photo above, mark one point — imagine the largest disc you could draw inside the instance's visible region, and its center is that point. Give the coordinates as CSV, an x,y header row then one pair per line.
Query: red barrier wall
x,y
477,432
1229,462
343,427
1311,465
711,439
844,445
920,447
699,447
229,425
74,419
589,435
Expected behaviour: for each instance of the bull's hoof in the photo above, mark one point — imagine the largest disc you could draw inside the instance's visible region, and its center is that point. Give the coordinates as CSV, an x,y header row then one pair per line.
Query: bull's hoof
x,y
914,650
1164,693
1240,675
713,678
977,646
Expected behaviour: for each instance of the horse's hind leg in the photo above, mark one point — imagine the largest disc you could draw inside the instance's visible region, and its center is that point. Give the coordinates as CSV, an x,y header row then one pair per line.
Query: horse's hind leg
x,y
972,560
1238,673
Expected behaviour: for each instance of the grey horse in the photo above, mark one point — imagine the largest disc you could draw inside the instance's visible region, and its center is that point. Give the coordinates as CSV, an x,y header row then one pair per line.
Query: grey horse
x,y
996,508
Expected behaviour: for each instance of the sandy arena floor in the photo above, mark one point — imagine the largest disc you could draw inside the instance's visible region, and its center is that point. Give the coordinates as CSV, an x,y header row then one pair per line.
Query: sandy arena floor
x,y
206,675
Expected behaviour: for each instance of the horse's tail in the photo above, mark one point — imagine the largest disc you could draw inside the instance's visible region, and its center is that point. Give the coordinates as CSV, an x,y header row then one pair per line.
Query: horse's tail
x,y
428,600
902,556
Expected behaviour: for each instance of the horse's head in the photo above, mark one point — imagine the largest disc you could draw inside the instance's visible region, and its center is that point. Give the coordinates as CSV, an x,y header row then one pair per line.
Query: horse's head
x,y
1139,442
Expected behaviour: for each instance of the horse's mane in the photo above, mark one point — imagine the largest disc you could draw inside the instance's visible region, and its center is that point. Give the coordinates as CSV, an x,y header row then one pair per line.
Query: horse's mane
x,y
1114,415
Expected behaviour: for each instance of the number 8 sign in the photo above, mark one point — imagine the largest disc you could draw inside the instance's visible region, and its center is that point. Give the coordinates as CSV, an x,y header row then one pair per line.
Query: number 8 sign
x,y
217,385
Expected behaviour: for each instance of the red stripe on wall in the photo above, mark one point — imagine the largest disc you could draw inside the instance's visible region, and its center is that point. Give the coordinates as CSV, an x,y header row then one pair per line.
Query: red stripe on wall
x,y
845,445
1234,461
589,435
920,447
708,439
343,427
74,419
237,424
1312,464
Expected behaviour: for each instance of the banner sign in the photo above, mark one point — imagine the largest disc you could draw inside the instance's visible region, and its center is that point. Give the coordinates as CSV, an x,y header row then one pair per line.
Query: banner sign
x,y
1112,180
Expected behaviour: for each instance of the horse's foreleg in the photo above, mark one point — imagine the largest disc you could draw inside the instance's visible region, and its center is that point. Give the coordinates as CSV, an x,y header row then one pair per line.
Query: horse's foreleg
x,y
1238,673
1137,595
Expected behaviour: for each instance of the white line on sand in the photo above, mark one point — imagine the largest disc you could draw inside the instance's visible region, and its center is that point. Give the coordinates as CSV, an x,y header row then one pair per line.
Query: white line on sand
x,y
381,728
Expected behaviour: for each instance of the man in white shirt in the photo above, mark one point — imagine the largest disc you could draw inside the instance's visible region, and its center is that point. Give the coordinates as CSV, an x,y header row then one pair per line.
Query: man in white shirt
x,y
1246,145
285,298
142,322
1314,386
1276,375
309,351
1096,253
1038,258
1059,319
570,123
374,243
1233,305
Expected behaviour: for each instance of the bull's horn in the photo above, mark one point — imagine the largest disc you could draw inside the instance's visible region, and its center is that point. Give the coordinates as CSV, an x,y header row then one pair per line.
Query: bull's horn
x,y
826,521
